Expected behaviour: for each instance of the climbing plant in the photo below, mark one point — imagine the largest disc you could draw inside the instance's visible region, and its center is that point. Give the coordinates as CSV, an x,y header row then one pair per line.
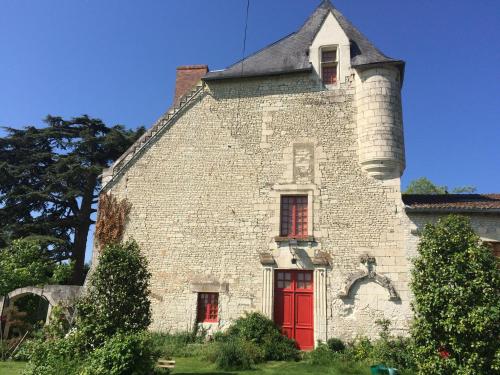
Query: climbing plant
x,y
456,284
111,220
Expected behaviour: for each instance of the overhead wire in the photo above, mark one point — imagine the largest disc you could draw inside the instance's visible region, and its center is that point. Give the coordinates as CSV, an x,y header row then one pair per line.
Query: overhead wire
x,y
243,52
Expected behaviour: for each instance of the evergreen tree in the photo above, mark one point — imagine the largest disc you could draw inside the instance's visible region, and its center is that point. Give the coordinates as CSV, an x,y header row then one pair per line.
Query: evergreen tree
x,y
456,286
49,182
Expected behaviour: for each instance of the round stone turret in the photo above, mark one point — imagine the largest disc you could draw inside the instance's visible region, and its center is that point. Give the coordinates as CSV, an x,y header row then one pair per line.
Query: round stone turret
x,y
379,120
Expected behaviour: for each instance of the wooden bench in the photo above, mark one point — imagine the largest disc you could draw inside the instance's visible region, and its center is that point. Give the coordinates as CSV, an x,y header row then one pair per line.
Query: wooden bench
x,y
165,363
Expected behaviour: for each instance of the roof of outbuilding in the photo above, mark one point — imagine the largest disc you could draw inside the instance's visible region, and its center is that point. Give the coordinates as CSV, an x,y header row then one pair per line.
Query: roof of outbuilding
x,y
452,202
290,54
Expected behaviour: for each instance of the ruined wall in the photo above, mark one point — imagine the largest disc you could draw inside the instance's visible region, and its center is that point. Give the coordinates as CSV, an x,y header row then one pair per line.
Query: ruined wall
x,y
205,203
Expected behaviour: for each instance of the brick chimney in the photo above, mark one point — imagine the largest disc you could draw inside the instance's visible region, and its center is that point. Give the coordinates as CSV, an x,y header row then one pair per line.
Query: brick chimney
x,y
187,76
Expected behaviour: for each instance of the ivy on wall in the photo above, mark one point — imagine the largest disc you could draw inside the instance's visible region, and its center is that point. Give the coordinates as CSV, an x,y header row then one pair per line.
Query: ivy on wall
x,y
111,220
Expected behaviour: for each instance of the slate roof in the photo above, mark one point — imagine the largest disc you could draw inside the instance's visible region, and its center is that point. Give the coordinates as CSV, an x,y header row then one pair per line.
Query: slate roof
x,y
452,202
290,54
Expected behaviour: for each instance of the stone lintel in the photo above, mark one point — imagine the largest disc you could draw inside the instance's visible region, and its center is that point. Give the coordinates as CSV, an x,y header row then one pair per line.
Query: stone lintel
x,y
209,287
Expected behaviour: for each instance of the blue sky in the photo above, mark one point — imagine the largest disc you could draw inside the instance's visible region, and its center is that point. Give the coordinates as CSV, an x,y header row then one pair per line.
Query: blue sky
x,y
116,60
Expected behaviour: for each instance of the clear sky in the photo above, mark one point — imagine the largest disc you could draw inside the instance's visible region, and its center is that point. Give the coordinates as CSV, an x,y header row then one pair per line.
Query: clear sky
x,y
116,60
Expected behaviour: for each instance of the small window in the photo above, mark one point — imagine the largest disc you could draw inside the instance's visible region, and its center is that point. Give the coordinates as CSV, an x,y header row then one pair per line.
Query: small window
x,y
329,64
293,221
208,307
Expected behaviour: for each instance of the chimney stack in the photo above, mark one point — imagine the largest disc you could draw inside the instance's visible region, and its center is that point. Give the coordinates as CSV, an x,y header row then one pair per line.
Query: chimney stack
x,y
187,76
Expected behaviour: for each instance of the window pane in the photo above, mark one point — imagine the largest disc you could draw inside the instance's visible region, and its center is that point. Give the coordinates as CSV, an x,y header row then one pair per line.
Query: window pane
x,y
329,74
293,216
328,56
208,307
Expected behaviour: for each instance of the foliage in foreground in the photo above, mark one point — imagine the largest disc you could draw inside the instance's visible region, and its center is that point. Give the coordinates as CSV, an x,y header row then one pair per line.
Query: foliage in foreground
x,y
109,336
24,262
117,296
456,283
123,354
388,350
258,329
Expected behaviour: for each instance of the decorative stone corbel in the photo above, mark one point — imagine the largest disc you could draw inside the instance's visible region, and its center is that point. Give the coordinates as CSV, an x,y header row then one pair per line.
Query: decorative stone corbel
x,y
371,275
321,259
266,259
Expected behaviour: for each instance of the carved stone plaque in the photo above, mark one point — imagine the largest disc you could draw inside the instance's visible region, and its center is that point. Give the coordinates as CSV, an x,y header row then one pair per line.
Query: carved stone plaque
x,y
303,163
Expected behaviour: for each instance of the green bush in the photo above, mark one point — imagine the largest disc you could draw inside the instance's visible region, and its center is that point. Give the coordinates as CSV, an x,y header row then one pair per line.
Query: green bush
x,y
456,284
321,356
335,344
56,357
117,299
258,329
26,262
253,327
279,348
233,355
180,344
360,350
391,351
131,353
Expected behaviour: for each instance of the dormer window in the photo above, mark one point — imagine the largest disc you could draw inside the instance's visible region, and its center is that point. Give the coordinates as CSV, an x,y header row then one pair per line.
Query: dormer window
x,y
329,65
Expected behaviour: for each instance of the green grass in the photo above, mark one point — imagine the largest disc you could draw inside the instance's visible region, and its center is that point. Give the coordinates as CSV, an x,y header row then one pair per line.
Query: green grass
x,y
191,366
11,368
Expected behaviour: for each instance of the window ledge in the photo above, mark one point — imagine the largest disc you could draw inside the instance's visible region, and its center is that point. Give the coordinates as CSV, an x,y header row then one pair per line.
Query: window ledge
x,y
296,239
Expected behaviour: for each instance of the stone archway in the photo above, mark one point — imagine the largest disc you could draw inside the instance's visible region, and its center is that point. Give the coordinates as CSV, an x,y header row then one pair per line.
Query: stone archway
x,y
53,294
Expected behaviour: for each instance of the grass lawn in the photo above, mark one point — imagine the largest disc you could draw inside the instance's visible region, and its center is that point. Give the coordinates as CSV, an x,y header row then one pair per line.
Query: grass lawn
x,y
192,366
11,368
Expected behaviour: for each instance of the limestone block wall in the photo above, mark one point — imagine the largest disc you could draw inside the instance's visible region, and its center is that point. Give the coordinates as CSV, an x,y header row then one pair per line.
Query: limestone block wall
x,y
205,204
379,118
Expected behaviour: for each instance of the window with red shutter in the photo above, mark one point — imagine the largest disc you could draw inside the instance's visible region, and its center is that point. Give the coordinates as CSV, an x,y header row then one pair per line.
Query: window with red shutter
x,y
293,221
208,307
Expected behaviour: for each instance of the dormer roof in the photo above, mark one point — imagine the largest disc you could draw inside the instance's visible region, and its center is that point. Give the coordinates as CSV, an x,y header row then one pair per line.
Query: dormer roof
x,y
290,54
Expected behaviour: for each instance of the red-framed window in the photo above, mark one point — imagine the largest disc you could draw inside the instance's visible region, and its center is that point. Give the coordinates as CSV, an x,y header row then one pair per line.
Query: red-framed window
x,y
208,307
293,216
329,63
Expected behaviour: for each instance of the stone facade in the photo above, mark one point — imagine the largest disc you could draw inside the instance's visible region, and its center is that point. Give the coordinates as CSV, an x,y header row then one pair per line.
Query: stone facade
x,y
206,197
205,185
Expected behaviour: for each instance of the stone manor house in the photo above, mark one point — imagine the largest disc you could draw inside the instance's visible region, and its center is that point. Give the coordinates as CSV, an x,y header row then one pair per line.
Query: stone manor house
x,y
274,186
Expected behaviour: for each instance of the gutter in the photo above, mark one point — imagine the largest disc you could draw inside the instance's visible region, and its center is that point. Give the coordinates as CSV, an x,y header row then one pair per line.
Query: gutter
x,y
427,210
251,75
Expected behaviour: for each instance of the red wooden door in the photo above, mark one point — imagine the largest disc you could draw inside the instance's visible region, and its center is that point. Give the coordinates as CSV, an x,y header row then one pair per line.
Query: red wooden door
x,y
293,306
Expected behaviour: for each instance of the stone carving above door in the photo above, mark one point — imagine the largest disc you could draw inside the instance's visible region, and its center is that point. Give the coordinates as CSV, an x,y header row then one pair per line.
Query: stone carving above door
x,y
370,275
